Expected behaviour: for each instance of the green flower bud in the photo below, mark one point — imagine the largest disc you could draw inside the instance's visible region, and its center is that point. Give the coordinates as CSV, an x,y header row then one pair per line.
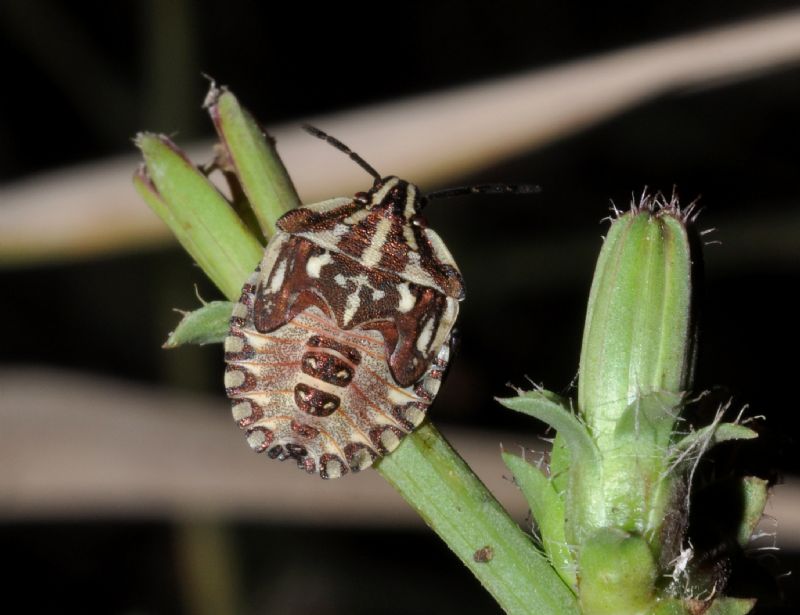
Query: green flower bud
x,y
635,367
638,336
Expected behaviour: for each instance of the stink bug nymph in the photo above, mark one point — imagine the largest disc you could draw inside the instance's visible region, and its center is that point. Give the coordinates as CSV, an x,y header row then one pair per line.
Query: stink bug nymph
x,y
341,336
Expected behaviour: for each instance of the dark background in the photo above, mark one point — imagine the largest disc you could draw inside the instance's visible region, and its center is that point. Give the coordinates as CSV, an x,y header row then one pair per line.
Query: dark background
x,y
82,78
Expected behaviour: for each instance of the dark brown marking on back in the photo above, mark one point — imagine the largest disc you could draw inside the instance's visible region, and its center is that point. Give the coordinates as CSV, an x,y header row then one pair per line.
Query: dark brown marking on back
x,y
308,464
272,310
359,237
304,431
315,402
327,368
298,451
319,341
394,252
277,452
400,335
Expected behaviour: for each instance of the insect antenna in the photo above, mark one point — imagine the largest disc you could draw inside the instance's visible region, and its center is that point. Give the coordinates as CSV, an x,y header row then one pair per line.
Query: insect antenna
x,y
313,130
484,189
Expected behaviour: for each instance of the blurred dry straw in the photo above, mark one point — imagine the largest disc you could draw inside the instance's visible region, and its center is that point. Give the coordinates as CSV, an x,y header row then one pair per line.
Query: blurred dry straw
x,y
435,138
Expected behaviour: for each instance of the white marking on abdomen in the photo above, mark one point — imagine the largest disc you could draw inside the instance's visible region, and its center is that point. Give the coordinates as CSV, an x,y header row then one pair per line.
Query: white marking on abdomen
x,y
242,410
398,397
234,343
234,378
389,440
320,385
315,264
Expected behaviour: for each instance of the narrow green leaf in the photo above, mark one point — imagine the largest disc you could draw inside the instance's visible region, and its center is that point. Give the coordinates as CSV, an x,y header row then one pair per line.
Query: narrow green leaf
x,y
714,434
754,493
440,486
539,404
583,493
199,215
207,325
731,606
252,153
559,464
547,509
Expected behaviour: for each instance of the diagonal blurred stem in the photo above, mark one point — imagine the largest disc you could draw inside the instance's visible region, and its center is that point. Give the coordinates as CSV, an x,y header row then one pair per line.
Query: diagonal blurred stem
x,y
67,214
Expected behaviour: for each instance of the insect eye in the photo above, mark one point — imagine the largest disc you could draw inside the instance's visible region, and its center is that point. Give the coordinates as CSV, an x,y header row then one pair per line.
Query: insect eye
x,y
362,197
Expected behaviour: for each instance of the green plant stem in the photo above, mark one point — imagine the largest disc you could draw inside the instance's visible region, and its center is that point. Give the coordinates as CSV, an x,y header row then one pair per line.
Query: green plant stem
x,y
207,564
201,218
453,501
263,177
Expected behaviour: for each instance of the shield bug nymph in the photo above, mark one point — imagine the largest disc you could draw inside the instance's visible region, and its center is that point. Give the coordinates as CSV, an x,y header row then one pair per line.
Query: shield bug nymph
x,y
341,336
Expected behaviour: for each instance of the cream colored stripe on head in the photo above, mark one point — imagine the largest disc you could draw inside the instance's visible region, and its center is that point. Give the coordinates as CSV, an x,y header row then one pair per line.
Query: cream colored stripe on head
x,y
384,190
411,199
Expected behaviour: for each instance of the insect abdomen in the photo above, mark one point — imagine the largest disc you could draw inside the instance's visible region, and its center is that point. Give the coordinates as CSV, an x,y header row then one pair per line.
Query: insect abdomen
x,y
316,393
